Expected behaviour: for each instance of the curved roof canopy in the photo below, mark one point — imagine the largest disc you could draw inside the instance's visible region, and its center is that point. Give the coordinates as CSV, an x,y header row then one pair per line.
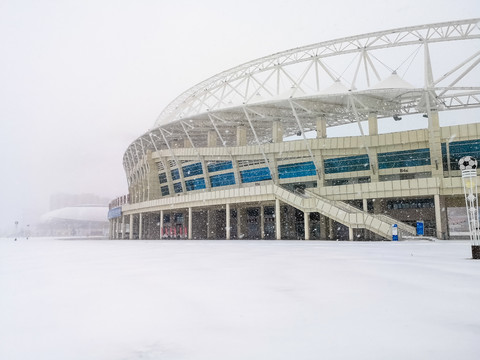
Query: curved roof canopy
x,y
395,72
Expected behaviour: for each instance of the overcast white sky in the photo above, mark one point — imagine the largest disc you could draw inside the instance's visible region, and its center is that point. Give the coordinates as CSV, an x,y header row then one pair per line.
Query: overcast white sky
x,y
80,80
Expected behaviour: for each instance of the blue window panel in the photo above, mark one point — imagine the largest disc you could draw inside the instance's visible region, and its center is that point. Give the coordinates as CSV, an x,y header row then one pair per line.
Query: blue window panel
x,y
296,170
225,165
254,175
192,170
346,164
222,179
177,187
406,158
195,184
165,190
175,174
459,149
162,178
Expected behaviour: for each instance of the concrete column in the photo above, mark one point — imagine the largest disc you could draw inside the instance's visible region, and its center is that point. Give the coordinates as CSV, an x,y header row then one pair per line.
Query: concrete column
x,y
241,136
330,229
323,227
435,146
190,237
187,143
140,226
439,224
117,227
124,227
114,228
277,131
321,127
212,138
350,233
110,235
365,205
210,224
278,224
372,124
161,224
131,227
239,221
306,218
262,222
227,222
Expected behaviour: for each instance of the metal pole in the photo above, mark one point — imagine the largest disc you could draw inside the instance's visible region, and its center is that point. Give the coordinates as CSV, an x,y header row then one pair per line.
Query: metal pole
x,y
468,165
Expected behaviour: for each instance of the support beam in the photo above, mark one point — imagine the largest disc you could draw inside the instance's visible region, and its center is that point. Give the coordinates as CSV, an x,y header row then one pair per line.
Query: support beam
x,y
323,227
278,224
331,230
262,222
306,220
227,221
440,227
277,131
212,138
115,228
321,127
241,136
239,222
350,233
140,226
124,227
161,225
131,227
372,124
190,223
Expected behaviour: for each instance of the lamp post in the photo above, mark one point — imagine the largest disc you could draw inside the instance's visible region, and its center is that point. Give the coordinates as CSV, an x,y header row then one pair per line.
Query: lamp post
x,y
468,166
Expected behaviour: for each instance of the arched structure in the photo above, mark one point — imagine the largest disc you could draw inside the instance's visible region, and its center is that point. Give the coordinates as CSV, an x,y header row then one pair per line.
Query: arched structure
x,y
220,144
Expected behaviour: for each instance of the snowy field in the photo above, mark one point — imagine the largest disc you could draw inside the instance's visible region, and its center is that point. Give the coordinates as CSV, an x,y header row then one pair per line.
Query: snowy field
x,y
229,300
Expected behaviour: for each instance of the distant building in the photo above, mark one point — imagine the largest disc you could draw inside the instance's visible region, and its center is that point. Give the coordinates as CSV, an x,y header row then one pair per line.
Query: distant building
x,y
75,215
216,164
61,200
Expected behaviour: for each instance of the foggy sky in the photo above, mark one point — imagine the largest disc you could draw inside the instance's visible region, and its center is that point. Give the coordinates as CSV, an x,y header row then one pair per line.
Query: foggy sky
x,y
80,80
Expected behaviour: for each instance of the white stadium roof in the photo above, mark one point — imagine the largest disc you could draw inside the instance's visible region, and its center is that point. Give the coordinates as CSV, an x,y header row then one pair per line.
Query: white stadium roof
x,y
390,73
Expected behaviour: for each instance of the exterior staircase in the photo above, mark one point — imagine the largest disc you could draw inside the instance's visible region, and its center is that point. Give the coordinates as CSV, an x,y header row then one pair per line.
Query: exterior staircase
x,y
343,213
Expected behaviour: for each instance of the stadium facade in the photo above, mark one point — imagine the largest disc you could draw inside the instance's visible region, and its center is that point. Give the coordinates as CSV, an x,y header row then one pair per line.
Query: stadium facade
x,y
217,164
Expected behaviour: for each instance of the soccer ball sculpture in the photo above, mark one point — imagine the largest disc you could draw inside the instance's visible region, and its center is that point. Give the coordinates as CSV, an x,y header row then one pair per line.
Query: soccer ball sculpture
x,y
467,163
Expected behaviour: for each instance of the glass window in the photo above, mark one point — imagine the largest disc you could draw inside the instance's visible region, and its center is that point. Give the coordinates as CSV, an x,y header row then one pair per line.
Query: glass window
x,y
347,164
195,184
162,177
296,170
406,158
175,174
222,179
165,190
192,170
254,175
177,187
219,166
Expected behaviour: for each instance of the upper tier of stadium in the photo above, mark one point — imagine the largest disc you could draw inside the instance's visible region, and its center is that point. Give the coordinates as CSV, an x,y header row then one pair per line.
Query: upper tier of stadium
x,y
390,73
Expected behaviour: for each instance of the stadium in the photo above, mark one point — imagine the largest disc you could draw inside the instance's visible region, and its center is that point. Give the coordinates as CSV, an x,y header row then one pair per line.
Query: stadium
x,y
245,154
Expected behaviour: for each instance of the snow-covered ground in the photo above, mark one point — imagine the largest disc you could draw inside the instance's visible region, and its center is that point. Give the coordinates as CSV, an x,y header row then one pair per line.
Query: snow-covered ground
x,y
229,300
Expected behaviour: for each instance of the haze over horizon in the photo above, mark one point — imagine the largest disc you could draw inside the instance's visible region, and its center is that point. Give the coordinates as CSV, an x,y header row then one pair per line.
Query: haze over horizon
x,y
81,80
